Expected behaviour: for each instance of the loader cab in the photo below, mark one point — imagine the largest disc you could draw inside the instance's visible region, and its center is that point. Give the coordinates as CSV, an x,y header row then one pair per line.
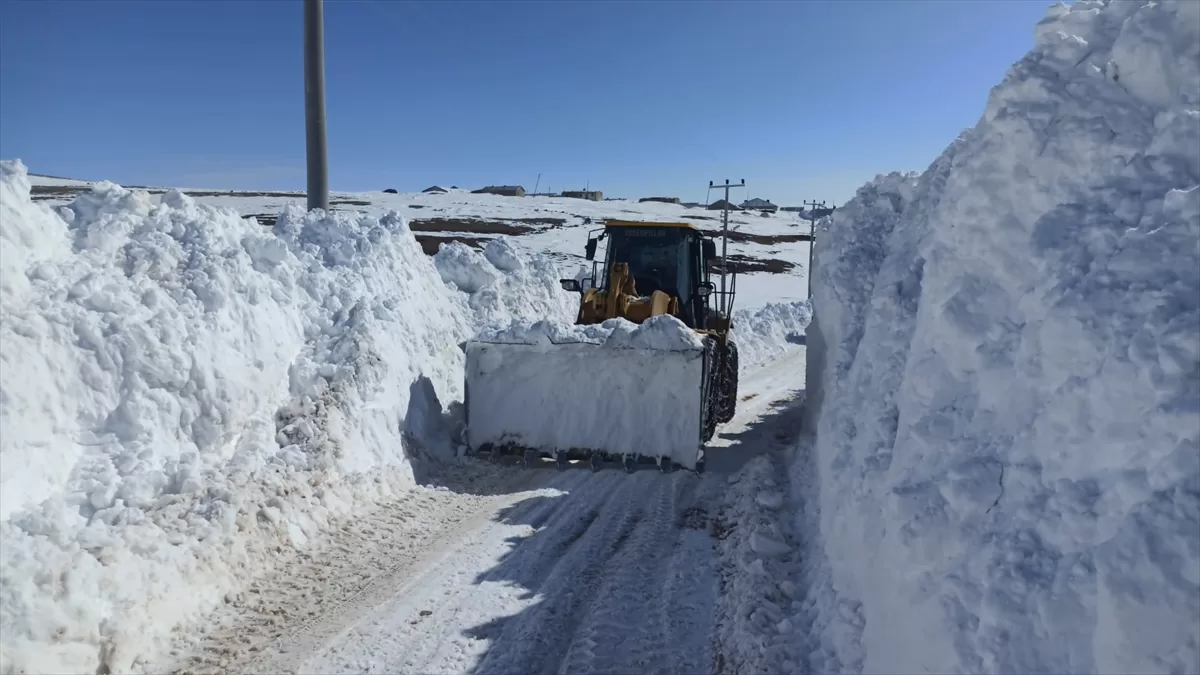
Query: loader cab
x,y
670,257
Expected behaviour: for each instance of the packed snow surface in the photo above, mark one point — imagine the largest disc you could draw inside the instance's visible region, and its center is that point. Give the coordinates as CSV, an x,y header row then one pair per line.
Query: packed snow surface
x,y
1005,370
188,395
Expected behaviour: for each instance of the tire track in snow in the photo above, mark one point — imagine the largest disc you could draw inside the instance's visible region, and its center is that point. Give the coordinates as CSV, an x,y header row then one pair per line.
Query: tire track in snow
x,y
590,590
311,593
435,641
533,640
691,590
609,640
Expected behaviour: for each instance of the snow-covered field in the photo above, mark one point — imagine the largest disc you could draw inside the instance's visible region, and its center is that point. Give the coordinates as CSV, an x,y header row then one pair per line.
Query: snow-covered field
x,y
555,226
1005,376
191,398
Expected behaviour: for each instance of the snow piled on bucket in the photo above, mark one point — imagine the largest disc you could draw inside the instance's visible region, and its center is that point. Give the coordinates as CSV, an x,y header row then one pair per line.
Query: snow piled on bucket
x,y
1005,365
665,333
185,391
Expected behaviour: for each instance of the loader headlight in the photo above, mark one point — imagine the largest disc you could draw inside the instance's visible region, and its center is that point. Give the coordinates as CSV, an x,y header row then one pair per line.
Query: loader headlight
x,y
570,285
705,290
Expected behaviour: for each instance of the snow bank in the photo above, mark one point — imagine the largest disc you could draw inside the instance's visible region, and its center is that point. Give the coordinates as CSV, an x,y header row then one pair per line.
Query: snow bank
x,y
464,267
505,284
186,391
764,333
1006,360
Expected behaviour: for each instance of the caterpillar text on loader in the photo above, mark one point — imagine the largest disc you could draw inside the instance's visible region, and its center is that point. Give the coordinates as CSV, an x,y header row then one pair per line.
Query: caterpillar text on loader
x,y
649,269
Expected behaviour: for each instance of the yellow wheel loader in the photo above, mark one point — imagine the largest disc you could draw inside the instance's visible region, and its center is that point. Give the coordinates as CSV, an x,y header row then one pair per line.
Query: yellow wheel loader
x,y
613,397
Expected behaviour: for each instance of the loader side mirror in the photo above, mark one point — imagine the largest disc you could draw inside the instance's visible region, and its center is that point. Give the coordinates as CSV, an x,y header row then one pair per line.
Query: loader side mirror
x,y
709,249
705,289
570,285
590,249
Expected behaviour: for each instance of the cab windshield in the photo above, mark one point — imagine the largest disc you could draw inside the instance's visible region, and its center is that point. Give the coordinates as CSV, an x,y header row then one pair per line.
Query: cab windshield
x,y
657,256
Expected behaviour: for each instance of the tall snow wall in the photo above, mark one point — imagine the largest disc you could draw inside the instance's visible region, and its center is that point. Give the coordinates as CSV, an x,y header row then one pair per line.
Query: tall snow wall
x,y
1005,374
184,391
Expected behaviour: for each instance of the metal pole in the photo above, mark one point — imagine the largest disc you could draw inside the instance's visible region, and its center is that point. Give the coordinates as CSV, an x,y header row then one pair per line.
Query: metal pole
x,y
314,105
812,228
812,238
725,237
724,245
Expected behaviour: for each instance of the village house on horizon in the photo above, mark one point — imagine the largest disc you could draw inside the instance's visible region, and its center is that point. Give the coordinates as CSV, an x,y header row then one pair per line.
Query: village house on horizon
x,y
502,190
722,205
757,204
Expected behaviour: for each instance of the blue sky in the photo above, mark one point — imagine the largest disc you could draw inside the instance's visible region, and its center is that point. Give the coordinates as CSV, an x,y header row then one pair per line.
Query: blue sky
x,y
803,98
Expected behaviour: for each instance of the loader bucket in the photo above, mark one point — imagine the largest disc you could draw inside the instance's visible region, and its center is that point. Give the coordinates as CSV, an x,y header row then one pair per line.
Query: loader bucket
x,y
585,399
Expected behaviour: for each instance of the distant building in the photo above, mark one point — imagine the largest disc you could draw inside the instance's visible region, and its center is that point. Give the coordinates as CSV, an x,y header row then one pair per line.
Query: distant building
x,y
502,190
664,200
722,205
815,213
435,190
757,204
593,195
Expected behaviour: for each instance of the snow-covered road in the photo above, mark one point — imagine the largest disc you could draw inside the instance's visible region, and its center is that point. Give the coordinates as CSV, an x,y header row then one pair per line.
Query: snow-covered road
x,y
501,569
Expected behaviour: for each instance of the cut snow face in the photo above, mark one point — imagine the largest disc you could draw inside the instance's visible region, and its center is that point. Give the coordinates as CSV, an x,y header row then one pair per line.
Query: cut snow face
x,y
1006,362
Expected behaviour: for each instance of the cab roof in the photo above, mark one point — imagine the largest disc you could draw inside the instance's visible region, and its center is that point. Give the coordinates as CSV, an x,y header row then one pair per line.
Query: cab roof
x,y
647,223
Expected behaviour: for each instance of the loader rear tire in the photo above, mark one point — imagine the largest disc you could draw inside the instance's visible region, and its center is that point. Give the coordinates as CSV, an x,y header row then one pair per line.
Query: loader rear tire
x,y
710,411
728,382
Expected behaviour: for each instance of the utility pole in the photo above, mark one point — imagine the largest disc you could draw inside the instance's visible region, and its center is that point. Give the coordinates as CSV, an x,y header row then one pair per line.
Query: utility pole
x,y
539,182
812,237
725,237
314,105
